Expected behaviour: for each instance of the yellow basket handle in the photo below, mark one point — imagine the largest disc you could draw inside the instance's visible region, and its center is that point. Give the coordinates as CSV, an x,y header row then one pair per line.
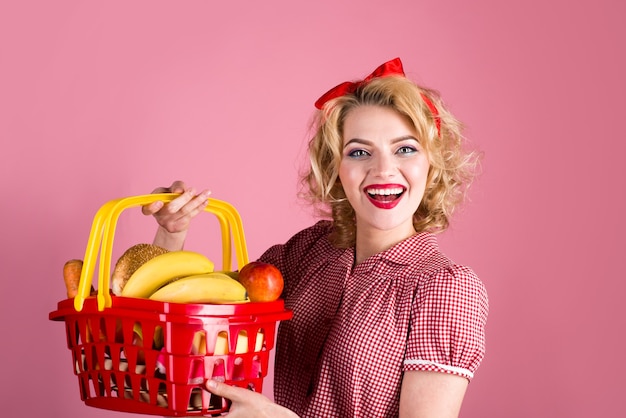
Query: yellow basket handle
x,y
103,231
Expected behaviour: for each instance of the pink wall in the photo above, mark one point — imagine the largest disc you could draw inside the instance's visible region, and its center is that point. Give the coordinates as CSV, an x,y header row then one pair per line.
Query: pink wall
x,y
100,100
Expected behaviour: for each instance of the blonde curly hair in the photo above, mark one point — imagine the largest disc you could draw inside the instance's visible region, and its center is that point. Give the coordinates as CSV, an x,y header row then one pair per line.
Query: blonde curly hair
x,y
452,167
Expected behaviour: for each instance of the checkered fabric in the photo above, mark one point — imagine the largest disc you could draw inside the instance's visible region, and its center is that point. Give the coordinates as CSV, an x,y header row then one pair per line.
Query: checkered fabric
x,y
355,331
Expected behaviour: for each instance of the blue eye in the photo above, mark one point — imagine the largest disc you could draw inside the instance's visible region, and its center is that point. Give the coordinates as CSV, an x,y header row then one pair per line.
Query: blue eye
x,y
406,150
358,153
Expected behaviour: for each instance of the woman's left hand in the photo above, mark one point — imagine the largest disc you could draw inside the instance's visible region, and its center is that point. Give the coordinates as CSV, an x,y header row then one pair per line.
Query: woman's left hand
x,y
247,403
174,218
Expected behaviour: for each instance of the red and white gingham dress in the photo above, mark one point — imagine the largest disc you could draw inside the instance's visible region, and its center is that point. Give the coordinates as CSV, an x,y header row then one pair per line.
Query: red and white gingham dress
x,y
354,332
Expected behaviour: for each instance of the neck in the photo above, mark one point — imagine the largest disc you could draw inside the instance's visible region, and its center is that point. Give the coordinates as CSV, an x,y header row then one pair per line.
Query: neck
x,y
374,241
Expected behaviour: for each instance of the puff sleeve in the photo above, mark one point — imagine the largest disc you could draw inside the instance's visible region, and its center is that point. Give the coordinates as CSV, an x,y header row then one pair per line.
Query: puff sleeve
x,y
448,318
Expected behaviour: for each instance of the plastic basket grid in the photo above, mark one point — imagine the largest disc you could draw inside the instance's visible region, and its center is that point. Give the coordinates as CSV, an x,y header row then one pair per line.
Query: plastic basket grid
x,y
114,372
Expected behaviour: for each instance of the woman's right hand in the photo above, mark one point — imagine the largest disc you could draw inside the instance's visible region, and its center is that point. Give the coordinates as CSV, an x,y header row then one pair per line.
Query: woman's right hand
x,y
248,403
175,217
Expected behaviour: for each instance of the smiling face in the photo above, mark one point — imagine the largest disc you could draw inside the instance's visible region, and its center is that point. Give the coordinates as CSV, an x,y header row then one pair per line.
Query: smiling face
x,y
383,171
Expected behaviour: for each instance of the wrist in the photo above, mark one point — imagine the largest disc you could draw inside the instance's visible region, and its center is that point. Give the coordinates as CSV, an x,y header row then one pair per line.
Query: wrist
x,y
172,241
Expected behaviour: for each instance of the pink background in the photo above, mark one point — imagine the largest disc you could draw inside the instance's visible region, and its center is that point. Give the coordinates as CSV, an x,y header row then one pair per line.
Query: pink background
x,y
100,100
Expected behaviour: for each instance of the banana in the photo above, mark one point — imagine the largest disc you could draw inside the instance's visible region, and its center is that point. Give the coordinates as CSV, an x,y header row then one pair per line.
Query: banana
x,y
215,287
162,269
221,345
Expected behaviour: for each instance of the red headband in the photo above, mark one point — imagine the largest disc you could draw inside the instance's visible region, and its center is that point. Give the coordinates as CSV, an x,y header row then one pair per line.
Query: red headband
x,y
393,67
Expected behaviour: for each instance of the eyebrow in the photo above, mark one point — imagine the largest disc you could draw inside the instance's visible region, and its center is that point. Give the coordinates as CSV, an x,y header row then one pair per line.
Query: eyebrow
x,y
393,141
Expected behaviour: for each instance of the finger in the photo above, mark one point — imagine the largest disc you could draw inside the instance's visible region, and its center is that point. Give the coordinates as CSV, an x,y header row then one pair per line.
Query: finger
x,y
178,187
223,390
152,208
200,202
188,205
178,203
161,190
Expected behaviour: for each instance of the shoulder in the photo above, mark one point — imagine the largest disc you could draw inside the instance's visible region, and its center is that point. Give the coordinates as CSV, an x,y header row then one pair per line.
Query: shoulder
x,y
318,229
306,241
454,288
312,235
431,268
434,278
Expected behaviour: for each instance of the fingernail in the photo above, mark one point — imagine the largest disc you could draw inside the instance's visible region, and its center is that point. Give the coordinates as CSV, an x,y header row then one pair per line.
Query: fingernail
x,y
211,384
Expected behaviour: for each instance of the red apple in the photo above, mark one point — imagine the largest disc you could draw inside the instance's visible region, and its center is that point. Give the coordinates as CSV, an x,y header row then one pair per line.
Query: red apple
x,y
263,281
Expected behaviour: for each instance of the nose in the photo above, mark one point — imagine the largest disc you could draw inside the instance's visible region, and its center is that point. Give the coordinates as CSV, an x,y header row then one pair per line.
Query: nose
x,y
383,166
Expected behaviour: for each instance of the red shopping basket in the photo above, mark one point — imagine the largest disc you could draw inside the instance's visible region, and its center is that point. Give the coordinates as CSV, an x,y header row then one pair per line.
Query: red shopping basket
x,y
150,357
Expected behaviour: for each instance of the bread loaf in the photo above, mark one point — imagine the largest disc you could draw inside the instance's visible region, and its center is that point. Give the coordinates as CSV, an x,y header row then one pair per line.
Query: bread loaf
x,y
130,261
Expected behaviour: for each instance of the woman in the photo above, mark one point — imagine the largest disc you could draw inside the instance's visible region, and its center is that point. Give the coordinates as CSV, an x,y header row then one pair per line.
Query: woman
x,y
384,324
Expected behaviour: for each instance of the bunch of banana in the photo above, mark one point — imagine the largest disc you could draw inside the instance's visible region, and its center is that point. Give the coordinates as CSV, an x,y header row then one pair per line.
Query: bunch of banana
x,y
183,277
215,287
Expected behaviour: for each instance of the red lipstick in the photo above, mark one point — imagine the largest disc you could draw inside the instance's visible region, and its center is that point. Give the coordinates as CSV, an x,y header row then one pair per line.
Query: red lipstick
x,y
384,196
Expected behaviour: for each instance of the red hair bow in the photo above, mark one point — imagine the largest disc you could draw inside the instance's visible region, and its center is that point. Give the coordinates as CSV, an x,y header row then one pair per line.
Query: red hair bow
x,y
393,67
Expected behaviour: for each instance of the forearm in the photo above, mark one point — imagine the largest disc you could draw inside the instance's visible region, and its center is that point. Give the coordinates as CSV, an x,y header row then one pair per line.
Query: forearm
x,y
172,241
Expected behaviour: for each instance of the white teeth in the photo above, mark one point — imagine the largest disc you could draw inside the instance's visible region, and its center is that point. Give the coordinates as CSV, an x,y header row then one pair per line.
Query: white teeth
x,y
385,192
